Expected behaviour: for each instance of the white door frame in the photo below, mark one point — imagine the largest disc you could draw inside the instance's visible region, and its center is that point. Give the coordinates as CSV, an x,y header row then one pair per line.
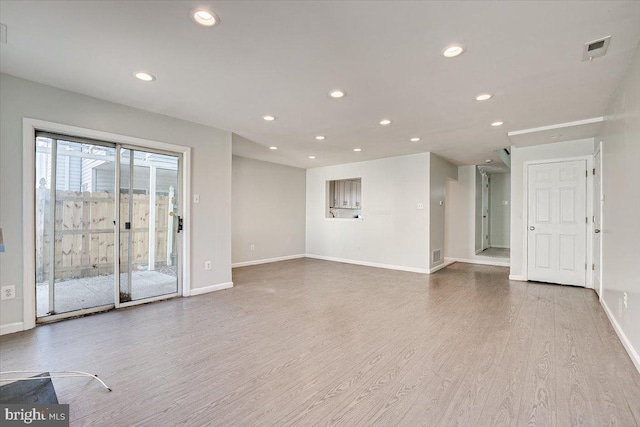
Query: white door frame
x,y
29,127
485,211
589,213
601,207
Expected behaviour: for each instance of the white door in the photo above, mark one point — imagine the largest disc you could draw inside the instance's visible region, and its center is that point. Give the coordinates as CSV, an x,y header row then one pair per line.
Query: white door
x,y
557,222
485,211
597,221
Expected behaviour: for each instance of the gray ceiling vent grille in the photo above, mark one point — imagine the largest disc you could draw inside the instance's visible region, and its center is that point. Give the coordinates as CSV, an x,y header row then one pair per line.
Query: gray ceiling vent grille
x,y
595,49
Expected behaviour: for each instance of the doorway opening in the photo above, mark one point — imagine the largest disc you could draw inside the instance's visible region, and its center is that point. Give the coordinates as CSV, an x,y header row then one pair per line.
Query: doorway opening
x,y
106,222
493,211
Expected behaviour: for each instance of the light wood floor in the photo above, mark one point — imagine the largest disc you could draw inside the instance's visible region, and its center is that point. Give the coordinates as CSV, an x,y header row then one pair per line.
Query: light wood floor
x,y
310,342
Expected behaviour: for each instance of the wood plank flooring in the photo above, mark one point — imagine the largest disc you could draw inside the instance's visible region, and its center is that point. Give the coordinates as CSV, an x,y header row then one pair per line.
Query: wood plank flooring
x,y
310,342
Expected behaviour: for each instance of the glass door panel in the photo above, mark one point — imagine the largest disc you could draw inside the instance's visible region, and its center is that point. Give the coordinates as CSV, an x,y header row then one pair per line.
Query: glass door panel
x,y
149,185
81,257
74,225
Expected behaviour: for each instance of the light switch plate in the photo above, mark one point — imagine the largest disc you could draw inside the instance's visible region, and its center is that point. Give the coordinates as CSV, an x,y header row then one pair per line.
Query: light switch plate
x,y
196,198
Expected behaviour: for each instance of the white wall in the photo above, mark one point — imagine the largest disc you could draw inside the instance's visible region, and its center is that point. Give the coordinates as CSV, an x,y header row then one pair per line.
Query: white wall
x,y
620,136
439,173
461,225
499,213
211,174
393,232
519,156
268,210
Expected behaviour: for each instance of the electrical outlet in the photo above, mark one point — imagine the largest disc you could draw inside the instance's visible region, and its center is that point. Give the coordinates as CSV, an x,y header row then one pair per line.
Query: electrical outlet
x,y
252,247
207,265
625,300
420,206
8,292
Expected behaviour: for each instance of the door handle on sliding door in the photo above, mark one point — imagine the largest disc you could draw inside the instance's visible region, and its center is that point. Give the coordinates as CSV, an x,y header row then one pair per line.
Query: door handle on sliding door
x,y
532,228
180,224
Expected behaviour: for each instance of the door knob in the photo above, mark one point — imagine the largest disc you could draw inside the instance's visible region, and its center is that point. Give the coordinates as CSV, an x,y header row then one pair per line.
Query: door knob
x,y
597,230
532,228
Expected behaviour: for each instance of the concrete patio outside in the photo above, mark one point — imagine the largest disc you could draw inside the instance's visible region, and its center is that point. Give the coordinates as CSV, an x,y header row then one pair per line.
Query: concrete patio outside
x,y
77,294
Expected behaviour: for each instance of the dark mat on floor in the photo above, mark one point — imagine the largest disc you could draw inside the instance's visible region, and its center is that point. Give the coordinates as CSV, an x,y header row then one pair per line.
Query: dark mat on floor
x,y
32,391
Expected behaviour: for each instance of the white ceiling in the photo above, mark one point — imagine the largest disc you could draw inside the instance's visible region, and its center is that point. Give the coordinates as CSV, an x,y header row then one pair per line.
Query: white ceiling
x,y
283,57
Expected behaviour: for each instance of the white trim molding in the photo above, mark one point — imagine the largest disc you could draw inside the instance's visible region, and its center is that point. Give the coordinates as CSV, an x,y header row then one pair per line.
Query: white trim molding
x,y
370,264
557,126
479,261
517,278
440,267
212,288
266,260
10,328
633,354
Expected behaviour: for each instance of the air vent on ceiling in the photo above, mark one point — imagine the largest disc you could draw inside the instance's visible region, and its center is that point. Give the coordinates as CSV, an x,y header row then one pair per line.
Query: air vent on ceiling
x,y
595,48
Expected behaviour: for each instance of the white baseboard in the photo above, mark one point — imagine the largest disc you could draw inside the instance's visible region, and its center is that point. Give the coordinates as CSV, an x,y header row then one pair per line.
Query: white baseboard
x,y
370,264
10,328
500,246
633,354
517,277
440,267
266,260
479,261
212,288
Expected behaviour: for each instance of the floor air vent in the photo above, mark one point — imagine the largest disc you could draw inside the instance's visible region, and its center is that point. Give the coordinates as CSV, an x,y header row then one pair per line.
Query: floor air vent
x,y
436,256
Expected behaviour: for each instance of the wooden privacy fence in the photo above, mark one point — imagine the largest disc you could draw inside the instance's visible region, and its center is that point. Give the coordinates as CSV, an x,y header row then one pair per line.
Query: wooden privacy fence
x,y
84,233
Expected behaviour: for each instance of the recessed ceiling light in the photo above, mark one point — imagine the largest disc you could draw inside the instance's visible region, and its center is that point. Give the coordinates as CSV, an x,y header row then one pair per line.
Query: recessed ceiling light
x,y
205,17
488,161
385,122
312,157
273,148
320,138
415,139
337,93
269,118
357,149
145,77
483,97
494,124
453,51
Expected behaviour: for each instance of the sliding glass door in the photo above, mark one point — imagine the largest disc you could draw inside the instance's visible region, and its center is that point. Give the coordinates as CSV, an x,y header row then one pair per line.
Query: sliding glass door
x,y
96,247
74,225
149,224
